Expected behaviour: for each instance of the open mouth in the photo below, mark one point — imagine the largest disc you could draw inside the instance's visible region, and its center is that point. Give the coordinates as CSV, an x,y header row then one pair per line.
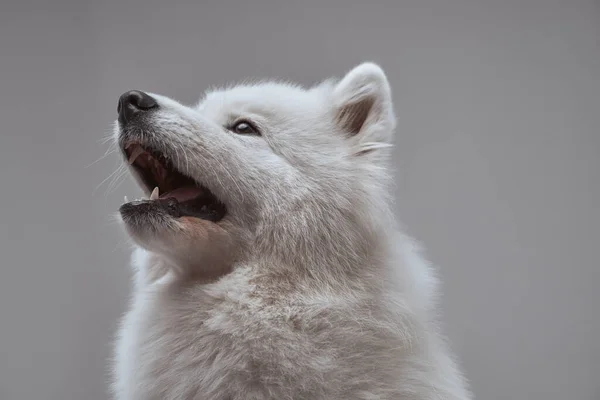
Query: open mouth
x,y
172,191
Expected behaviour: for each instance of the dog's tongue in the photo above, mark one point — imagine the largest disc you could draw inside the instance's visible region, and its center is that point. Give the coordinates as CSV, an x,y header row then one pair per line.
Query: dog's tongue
x,y
183,193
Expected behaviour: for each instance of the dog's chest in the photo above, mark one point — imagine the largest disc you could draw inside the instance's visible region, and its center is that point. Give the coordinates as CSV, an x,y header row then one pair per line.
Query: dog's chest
x,y
175,347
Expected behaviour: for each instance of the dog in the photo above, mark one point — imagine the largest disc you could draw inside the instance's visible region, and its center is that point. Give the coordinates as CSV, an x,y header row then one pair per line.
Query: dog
x,y
268,263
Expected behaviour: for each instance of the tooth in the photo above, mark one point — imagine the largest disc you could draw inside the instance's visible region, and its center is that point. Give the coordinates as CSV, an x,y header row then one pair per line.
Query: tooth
x,y
126,199
154,195
134,154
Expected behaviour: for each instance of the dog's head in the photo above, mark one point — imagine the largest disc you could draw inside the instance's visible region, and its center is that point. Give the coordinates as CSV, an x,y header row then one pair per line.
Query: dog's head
x,y
268,168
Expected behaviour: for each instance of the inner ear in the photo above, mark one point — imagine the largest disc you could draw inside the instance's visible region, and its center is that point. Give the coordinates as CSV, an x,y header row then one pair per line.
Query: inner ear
x,y
362,104
352,117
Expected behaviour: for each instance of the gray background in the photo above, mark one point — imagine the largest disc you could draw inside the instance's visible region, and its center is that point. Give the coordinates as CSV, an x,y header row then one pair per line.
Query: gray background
x,y
497,158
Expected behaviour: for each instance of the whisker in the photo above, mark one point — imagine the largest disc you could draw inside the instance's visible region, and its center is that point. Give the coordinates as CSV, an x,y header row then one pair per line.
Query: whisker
x,y
112,175
116,181
108,152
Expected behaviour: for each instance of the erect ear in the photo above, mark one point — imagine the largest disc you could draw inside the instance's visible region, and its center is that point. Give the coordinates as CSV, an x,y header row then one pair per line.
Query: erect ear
x,y
363,108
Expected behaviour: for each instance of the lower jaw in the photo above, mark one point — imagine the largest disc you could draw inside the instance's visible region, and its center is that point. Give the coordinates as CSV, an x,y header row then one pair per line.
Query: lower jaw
x,y
195,208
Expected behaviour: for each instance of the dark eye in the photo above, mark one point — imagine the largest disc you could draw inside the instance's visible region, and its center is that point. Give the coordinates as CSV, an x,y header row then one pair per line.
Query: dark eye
x,y
244,128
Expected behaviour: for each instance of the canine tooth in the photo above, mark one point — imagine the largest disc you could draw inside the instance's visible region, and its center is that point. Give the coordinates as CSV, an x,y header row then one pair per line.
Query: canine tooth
x,y
134,154
154,194
126,199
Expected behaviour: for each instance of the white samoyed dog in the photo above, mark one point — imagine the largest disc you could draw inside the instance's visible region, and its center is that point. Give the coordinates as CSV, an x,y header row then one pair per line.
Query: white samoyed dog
x,y
268,263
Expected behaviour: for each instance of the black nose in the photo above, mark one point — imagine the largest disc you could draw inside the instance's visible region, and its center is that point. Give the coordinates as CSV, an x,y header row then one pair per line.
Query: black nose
x,y
133,102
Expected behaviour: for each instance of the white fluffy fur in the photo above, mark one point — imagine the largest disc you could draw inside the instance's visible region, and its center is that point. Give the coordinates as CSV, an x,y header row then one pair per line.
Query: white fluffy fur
x,y
322,296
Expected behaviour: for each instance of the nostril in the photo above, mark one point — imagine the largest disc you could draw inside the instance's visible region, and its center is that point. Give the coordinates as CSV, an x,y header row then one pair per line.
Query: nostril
x,y
142,100
133,102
